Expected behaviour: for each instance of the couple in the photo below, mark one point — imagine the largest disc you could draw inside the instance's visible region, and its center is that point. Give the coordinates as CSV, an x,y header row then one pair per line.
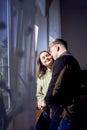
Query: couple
x,y
58,85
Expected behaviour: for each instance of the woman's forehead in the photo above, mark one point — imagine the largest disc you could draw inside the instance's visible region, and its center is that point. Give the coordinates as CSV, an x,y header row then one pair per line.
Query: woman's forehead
x,y
44,53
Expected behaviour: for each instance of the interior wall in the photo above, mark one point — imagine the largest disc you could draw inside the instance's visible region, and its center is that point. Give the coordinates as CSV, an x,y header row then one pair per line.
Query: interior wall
x,y
49,26
41,22
54,20
74,28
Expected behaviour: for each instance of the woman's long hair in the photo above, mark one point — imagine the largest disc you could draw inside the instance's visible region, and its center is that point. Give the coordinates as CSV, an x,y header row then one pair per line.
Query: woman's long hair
x,y
41,69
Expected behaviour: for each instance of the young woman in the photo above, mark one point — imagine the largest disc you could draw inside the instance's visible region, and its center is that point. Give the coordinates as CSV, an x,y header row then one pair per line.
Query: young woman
x,y
44,73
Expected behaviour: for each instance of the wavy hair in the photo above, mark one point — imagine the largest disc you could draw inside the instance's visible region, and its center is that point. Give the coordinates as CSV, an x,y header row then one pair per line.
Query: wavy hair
x,y
41,69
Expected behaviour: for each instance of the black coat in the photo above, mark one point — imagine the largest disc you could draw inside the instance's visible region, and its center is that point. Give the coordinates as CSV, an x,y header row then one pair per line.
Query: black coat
x,y
64,88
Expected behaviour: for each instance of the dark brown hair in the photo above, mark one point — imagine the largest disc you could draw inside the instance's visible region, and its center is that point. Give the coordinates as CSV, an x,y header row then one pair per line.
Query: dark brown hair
x,y
41,69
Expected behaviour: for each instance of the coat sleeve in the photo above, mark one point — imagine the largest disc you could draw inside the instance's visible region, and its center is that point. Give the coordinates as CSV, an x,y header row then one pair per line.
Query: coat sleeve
x,y
39,93
58,65
58,83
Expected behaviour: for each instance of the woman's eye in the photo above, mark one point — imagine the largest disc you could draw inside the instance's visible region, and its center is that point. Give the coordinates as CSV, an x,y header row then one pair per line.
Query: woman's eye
x,y
47,55
43,58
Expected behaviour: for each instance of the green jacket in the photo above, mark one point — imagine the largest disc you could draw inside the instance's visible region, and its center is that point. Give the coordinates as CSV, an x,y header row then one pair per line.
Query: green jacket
x,y
42,86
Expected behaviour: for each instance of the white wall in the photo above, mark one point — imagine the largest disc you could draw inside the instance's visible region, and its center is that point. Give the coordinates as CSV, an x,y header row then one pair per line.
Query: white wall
x,y
50,29
54,20
74,30
41,22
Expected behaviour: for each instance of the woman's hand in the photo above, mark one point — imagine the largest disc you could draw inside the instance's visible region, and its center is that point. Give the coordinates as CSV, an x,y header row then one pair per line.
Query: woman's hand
x,y
43,105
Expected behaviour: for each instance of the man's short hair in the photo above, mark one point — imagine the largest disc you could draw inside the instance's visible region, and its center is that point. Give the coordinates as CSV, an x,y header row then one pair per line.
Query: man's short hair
x,y
58,41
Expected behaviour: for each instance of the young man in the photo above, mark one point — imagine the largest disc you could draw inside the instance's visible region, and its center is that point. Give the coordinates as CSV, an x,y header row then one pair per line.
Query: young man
x,y
64,89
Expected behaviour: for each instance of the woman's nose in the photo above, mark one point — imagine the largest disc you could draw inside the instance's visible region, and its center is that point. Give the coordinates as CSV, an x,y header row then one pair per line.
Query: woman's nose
x,y
46,58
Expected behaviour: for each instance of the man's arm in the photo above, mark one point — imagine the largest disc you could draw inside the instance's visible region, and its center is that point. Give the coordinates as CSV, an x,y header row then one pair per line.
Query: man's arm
x,y
58,65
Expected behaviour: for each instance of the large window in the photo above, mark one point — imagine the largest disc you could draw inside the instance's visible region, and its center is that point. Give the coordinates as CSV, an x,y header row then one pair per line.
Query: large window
x,y
4,53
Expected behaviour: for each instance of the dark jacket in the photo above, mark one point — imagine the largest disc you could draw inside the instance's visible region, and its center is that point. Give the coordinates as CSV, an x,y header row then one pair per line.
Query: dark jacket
x,y
64,88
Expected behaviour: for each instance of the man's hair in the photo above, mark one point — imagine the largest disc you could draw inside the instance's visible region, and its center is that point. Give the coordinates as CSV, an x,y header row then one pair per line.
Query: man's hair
x,y
58,41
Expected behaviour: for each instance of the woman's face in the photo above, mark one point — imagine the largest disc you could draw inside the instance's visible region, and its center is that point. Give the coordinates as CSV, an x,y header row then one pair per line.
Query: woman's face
x,y
46,59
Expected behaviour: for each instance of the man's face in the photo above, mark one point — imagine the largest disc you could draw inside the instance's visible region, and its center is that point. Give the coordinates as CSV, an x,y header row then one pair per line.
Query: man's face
x,y
54,51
